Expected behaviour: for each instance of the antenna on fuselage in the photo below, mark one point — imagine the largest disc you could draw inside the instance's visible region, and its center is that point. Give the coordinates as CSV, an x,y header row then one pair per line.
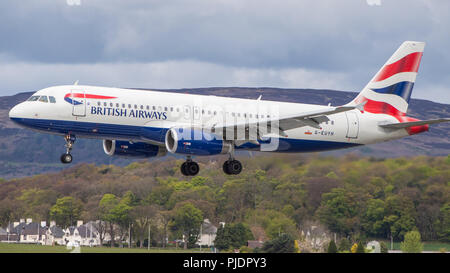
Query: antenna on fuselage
x,y
76,82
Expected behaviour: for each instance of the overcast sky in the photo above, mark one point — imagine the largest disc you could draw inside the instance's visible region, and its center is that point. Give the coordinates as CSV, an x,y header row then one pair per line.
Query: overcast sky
x,y
323,44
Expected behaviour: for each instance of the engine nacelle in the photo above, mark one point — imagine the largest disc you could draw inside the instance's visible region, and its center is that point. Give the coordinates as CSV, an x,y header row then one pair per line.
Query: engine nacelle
x,y
194,142
132,149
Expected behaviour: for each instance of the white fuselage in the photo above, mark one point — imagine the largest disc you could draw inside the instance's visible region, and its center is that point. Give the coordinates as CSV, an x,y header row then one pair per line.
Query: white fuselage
x,y
142,115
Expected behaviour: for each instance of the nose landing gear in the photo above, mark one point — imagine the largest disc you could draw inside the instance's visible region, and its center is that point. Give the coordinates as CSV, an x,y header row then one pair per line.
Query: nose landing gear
x,y
67,157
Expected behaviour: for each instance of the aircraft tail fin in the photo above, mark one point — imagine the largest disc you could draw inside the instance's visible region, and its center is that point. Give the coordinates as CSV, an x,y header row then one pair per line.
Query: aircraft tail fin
x,y
390,89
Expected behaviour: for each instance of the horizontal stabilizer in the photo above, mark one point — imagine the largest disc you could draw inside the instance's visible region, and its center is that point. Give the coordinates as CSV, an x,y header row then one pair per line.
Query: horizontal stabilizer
x,y
402,125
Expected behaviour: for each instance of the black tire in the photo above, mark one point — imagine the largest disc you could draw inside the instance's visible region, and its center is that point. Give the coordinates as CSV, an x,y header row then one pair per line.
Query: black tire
x,y
226,167
235,167
66,158
192,168
183,169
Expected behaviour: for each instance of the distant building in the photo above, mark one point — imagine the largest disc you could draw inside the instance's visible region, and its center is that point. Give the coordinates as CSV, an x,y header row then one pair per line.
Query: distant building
x,y
83,235
55,235
208,234
33,233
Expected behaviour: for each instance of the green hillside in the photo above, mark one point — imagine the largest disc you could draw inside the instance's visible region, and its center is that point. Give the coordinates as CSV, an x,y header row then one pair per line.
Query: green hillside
x,y
355,197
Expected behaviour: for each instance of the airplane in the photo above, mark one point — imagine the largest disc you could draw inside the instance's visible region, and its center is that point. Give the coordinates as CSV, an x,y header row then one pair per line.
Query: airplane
x,y
146,123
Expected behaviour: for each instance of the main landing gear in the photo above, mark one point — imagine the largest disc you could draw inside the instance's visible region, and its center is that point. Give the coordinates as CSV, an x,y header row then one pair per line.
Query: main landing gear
x,y
67,157
190,168
230,167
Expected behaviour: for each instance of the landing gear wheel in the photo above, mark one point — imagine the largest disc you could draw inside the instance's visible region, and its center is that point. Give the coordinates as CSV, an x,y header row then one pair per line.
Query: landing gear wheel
x,y
66,158
225,167
193,168
189,168
232,167
183,169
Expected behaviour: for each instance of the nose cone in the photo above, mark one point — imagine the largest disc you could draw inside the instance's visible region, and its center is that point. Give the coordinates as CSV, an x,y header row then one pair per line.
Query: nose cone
x,y
17,113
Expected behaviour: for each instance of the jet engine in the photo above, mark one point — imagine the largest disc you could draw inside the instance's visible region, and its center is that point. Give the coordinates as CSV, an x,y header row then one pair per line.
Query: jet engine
x,y
132,149
194,142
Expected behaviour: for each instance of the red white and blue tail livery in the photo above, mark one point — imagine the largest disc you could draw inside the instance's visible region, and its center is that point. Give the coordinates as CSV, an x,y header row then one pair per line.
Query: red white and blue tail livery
x,y
145,123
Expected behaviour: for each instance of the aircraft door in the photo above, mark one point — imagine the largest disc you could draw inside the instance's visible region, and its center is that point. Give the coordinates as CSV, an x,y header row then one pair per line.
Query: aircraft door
x,y
353,125
78,102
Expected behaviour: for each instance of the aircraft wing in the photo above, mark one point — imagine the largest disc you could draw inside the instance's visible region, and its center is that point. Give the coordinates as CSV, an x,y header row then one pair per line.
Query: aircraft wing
x,y
284,123
402,125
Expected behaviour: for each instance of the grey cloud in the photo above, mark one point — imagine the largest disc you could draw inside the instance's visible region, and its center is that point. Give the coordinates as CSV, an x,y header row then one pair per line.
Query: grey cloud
x,y
325,38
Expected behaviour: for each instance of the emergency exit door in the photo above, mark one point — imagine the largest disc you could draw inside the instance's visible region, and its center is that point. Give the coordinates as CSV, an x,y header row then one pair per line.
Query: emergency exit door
x,y
353,125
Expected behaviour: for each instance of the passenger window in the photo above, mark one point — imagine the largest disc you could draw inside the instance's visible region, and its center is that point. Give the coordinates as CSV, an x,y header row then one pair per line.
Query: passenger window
x,y
148,107
52,99
43,99
98,103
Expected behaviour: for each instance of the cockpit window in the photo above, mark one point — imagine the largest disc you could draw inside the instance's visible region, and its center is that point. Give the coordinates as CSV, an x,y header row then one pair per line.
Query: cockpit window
x,y
52,99
33,98
43,99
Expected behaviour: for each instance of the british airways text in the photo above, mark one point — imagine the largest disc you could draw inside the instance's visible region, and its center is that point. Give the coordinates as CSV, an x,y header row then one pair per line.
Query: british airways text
x,y
107,111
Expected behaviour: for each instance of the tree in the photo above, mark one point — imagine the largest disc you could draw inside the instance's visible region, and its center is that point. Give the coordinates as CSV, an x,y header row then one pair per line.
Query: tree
x,y
443,223
142,216
282,244
383,247
339,211
412,243
187,219
222,240
106,205
373,218
344,245
332,247
66,211
354,248
399,215
360,248
232,236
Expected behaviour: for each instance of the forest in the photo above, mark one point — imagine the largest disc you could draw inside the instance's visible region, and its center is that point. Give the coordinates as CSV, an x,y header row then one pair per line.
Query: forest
x,y
354,197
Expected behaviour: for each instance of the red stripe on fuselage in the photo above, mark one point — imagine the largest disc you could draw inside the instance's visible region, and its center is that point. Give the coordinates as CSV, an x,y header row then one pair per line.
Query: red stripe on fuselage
x,y
409,63
87,96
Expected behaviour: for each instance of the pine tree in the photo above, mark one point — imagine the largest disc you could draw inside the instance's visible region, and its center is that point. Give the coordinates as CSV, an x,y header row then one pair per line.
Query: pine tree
x,y
360,248
332,248
344,245
412,243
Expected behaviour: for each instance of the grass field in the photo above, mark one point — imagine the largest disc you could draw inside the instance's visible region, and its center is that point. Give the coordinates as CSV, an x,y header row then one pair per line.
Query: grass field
x,y
427,246
31,248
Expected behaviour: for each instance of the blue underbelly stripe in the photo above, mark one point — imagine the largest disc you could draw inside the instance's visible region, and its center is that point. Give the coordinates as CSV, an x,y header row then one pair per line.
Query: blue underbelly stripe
x,y
287,145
